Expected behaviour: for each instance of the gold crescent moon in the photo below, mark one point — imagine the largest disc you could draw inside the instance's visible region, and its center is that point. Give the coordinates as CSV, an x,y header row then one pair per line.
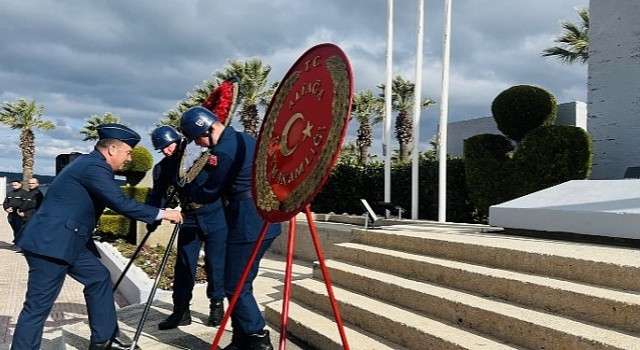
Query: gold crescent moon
x,y
284,148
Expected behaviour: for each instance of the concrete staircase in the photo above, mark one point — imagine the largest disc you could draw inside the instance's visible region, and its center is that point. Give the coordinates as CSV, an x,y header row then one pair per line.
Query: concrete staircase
x,y
197,336
449,286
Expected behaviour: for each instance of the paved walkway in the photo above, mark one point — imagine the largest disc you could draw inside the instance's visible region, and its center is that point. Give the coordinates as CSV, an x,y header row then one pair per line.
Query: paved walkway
x,y
68,309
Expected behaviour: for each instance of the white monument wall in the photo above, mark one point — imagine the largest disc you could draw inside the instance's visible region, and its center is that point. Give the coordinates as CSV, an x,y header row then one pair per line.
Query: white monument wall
x,y
614,86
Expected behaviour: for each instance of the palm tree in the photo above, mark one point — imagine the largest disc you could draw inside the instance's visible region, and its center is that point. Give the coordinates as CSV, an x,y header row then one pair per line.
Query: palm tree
x,y
574,42
25,116
368,110
402,100
432,153
90,130
254,89
194,98
349,154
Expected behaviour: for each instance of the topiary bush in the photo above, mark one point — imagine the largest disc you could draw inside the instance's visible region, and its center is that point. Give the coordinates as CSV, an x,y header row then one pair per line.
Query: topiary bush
x,y
136,169
550,155
138,193
522,108
112,226
487,160
545,155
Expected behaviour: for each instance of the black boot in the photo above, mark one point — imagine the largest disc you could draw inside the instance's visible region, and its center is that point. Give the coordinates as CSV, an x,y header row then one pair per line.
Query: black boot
x,y
181,316
114,344
259,341
238,342
216,312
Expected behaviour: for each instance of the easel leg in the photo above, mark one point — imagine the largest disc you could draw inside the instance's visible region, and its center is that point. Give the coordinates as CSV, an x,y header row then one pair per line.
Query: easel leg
x,y
156,282
236,293
284,316
325,275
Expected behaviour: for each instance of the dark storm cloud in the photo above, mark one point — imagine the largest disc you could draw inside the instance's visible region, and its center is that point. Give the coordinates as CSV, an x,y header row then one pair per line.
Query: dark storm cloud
x,y
137,59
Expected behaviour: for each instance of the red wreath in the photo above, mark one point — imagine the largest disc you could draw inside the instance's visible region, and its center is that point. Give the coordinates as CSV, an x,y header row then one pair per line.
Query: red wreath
x,y
222,100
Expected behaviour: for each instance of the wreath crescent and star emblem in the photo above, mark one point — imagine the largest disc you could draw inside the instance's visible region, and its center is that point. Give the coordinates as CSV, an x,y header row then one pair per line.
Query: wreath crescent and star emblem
x,y
302,132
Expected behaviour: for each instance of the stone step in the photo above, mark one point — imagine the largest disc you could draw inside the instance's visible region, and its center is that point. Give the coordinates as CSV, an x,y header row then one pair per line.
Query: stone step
x,y
195,336
321,331
396,324
515,324
615,267
610,307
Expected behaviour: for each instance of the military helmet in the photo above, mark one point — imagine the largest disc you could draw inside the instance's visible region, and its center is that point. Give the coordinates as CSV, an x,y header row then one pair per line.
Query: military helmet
x,y
163,136
196,121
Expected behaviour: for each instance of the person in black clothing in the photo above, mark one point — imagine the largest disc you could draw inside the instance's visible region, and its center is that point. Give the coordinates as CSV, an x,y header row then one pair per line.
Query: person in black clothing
x,y
12,204
32,200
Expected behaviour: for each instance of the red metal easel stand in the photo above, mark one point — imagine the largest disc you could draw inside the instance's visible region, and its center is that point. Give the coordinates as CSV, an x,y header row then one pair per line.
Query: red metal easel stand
x,y
287,283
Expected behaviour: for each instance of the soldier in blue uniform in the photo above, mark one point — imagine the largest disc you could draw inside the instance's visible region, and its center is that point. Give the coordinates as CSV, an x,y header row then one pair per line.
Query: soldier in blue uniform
x,y
229,175
204,223
57,240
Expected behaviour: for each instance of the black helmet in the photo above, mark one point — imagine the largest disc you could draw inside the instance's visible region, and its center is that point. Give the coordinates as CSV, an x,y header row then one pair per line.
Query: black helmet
x,y
163,136
196,121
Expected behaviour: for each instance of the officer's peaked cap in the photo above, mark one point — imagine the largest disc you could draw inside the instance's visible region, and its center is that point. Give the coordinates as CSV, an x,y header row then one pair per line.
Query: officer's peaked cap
x,y
196,122
118,132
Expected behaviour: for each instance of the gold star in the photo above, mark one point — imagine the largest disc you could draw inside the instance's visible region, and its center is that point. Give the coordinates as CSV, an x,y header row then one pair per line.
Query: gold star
x,y
307,131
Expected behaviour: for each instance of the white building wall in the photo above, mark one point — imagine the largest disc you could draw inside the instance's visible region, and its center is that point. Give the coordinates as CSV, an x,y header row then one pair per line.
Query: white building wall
x,y
571,113
3,187
614,86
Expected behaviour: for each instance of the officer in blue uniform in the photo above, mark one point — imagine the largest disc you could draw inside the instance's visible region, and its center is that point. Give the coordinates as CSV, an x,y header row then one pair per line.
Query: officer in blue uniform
x,y
204,223
229,177
57,240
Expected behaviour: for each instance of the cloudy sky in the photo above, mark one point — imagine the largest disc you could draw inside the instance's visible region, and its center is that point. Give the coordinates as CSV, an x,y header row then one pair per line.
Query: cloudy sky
x,y
136,59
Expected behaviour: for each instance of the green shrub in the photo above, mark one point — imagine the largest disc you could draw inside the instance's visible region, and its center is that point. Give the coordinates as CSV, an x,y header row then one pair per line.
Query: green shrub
x,y
141,160
138,193
546,155
111,227
488,164
523,108
550,155
348,183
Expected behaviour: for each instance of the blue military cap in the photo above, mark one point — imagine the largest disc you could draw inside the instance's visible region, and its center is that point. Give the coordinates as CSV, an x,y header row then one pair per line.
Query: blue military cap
x,y
118,132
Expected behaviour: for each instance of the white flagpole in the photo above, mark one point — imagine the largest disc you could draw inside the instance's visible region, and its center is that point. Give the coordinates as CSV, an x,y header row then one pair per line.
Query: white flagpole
x,y
444,112
386,145
416,114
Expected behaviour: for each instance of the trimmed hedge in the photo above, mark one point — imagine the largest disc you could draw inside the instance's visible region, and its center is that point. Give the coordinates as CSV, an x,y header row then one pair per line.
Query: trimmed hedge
x,y
136,169
112,226
546,155
348,183
487,167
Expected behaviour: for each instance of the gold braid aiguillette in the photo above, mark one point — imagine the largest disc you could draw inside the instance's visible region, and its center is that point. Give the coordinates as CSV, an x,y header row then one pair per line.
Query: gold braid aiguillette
x,y
186,176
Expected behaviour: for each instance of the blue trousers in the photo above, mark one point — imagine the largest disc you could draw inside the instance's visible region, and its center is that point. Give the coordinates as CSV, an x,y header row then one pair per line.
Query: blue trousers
x,y
190,239
46,278
246,316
